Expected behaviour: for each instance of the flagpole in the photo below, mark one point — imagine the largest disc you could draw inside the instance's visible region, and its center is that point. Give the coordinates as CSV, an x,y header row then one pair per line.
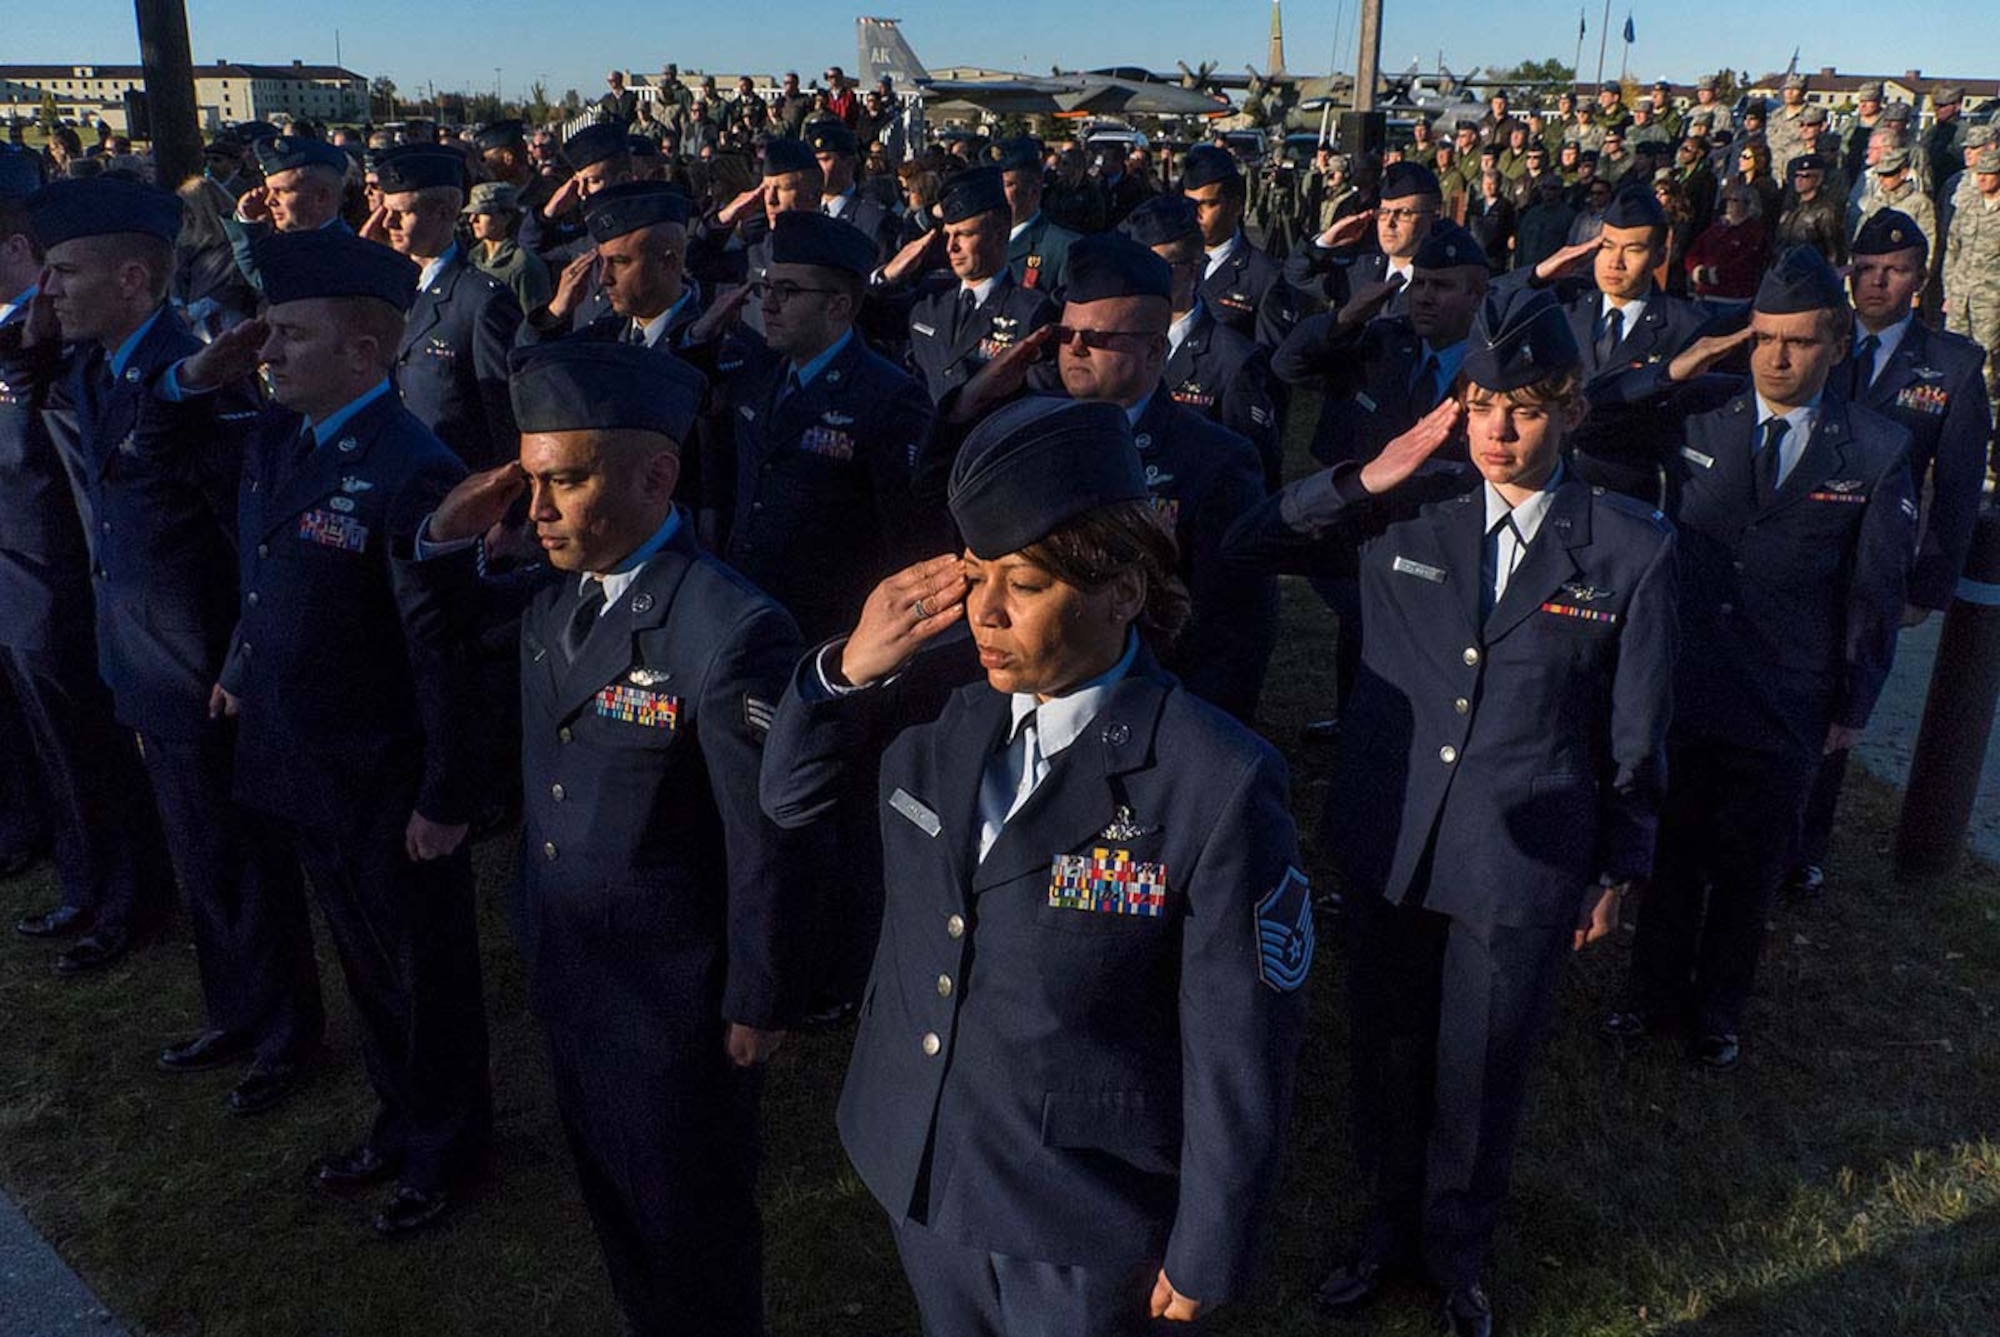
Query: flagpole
x,y
1603,34
1625,55
1575,65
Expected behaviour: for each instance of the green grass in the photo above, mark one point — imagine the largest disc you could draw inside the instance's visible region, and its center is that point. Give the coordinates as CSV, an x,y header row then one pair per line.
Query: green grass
x,y
1844,1181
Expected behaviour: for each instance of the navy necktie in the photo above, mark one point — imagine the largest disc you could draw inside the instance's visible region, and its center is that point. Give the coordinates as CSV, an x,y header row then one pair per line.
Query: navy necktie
x,y
1610,336
1768,454
1864,367
577,630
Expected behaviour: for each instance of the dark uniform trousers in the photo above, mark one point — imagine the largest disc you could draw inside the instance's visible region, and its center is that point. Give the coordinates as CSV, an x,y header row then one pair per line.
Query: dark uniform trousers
x,y
1932,386
1050,1102
659,904
1790,601
74,776
153,485
1494,762
332,598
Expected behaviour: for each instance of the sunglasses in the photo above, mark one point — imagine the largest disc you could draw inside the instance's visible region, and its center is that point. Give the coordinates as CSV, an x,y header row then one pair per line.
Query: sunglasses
x,y
1064,335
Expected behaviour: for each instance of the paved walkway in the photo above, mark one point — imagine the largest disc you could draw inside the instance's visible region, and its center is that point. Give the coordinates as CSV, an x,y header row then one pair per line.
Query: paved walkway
x,y
39,1295
1892,735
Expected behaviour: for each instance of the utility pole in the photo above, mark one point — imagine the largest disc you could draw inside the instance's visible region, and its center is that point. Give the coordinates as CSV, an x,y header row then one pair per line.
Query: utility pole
x,y
168,69
1368,62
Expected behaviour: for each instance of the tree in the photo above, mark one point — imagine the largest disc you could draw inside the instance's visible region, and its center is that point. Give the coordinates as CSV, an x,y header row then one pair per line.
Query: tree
x,y
537,110
51,117
1528,74
382,97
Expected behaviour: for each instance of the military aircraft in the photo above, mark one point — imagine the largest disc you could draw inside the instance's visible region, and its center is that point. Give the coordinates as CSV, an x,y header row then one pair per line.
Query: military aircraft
x,y
885,52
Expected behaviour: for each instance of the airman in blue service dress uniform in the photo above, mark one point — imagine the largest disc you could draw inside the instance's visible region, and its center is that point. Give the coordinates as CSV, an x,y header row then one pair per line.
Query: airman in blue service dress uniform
x,y
667,922
639,230
1930,382
1363,250
1071,1083
154,482
839,155
1037,245
1623,322
956,331
303,190
348,674
1502,757
1220,374
452,364
67,745
1244,287
1797,526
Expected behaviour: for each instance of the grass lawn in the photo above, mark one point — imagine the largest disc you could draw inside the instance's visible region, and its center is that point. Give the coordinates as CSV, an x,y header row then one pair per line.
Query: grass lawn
x,y
1844,1181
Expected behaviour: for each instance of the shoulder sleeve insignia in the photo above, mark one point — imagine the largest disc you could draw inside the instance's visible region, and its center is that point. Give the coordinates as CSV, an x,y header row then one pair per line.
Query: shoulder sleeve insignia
x,y
1285,933
758,713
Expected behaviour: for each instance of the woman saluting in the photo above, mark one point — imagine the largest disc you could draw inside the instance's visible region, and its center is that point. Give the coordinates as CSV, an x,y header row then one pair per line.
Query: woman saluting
x,y
1072,1078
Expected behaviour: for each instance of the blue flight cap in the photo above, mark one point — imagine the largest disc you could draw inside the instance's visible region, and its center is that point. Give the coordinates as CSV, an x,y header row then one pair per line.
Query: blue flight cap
x,y
1160,220
1888,231
1403,179
594,143
1520,337
502,135
1447,247
975,191
1108,265
782,157
1800,279
1634,206
332,262
419,167
816,239
831,137
1015,155
20,172
1036,463
102,206
1205,164
631,205
282,153
588,385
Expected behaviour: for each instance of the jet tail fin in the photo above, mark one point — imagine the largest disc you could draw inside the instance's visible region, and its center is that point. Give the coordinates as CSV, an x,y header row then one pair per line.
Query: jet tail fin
x,y
885,53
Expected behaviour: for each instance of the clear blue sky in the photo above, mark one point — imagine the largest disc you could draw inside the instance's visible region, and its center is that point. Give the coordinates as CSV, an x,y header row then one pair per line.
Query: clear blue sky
x,y
458,44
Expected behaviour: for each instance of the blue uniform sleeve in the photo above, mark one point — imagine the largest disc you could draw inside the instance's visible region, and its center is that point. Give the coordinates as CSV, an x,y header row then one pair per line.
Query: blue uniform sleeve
x,y
1958,474
1877,589
436,602
1641,710
1227,643
1240,1037
493,335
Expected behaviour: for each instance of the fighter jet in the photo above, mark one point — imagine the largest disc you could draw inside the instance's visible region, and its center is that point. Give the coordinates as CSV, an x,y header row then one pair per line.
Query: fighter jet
x,y
884,51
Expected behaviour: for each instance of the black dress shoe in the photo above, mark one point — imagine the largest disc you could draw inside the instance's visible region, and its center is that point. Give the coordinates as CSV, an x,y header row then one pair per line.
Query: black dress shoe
x,y
95,951
1718,1051
1351,1285
1468,1313
1806,882
410,1210
268,1084
354,1169
210,1049
828,1017
60,922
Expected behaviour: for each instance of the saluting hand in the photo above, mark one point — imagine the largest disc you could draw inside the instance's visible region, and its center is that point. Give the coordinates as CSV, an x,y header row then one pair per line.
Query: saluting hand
x,y
1404,455
41,325
566,195
1568,259
230,356
1348,231
1170,1304
909,261
901,614
749,1046
425,840
478,503
255,206
1002,378
1367,301
570,287
1705,353
728,309
376,227
740,206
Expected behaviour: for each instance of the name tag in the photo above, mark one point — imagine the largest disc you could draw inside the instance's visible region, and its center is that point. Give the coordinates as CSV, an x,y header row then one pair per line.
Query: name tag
x,y
929,332
916,813
331,529
1694,456
636,705
1367,403
1108,882
1403,566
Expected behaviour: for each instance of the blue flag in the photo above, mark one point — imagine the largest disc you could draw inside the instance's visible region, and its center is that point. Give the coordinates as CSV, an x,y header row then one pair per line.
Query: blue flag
x,y
1630,35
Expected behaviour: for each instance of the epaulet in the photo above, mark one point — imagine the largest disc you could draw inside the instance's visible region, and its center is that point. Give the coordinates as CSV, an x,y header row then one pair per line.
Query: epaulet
x,y
1637,510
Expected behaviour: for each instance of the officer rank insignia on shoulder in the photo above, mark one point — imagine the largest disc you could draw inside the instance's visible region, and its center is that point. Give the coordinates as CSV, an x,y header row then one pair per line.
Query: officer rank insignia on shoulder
x,y
637,705
1923,398
1841,490
827,443
1108,882
1285,933
331,529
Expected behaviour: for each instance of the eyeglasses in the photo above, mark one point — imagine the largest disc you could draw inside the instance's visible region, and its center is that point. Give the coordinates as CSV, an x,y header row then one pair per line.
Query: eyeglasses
x,y
1064,335
784,291
1403,215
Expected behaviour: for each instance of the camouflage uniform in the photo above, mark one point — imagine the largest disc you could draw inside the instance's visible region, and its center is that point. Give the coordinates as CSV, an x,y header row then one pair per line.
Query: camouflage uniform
x,y
1972,272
